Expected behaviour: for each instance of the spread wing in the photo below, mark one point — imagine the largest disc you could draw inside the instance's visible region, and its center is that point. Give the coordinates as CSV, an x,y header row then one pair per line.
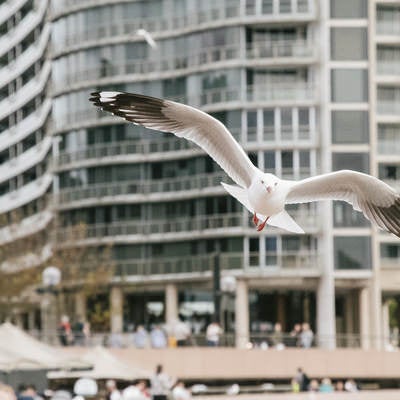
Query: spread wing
x,y
377,200
183,121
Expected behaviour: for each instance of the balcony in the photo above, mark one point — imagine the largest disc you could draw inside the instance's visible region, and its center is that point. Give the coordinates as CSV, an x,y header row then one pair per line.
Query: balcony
x,y
141,187
273,52
286,260
209,100
389,147
388,67
389,27
115,149
153,227
225,13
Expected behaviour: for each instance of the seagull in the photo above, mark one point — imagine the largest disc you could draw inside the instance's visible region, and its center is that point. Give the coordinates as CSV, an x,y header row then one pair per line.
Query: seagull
x,y
147,37
263,194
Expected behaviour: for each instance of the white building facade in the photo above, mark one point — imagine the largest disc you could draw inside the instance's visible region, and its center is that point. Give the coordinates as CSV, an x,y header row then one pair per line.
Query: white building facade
x,y
305,86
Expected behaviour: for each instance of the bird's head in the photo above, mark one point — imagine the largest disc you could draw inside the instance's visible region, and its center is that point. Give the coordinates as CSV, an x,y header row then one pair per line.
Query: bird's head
x,y
265,183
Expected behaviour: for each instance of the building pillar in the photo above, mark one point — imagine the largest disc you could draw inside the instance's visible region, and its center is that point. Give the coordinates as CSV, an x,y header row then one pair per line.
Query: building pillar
x,y
31,320
242,314
385,325
80,305
171,303
116,308
364,318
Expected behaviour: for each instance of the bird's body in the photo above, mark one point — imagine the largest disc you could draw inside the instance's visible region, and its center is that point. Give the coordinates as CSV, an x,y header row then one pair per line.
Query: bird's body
x,y
263,194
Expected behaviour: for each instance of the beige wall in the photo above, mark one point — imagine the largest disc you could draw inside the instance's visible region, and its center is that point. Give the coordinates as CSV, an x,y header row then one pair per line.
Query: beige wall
x,y
225,363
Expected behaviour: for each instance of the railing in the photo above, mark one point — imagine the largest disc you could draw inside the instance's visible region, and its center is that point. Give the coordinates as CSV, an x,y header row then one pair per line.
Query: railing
x,y
255,51
270,93
388,107
178,265
388,27
124,148
389,146
142,187
285,260
388,67
224,12
255,341
140,227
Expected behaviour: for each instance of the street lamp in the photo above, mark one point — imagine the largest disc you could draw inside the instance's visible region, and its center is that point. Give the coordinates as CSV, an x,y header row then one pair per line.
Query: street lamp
x,y
51,278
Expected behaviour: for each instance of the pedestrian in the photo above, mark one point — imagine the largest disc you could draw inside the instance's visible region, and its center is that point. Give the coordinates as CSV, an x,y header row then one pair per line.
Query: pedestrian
x,y
213,334
112,391
158,338
302,379
161,384
277,337
180,392
294,336
181,331
65,331
306,336
140,337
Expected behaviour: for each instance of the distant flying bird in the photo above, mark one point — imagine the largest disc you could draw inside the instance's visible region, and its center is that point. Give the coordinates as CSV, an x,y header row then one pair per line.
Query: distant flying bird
x,y
147,37
263,194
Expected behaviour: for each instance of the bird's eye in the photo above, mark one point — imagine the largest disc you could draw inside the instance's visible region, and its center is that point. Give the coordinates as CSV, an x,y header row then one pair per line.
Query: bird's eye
x,y
275,183
262,182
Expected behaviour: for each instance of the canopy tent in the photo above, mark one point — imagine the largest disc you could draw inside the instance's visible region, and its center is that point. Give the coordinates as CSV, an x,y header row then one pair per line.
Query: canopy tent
x,y
105,366
19,346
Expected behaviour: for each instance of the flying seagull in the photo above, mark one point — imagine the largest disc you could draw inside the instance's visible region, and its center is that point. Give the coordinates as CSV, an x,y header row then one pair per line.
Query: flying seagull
x,y
147,37
263,194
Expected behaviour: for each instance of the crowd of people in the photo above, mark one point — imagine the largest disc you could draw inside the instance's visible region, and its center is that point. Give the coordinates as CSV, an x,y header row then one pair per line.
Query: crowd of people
x,y
302,383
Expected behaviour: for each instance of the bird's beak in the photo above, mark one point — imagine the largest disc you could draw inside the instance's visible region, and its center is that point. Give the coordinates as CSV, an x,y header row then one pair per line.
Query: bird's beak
x,y
269,189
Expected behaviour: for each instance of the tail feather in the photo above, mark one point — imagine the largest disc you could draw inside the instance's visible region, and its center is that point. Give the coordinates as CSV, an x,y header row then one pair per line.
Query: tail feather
x,y
285,221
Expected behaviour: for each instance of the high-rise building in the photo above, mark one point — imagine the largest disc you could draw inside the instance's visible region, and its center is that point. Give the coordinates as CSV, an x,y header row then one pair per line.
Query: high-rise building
x,y
25,137
305,86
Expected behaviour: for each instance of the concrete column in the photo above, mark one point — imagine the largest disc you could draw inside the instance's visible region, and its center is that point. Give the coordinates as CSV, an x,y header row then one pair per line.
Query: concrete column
x,y
80,305
376,308
171,303
31,320
364,318
385,325
116,308
242,314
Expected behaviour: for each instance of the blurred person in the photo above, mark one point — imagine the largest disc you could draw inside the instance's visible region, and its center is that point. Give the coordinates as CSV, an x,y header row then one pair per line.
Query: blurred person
x,y
180,392
181,332
116,340
135,392
306,336
7,392
350,386
277,337
158,338
295,386
294,336
161,384
77,330
339,387
65,331
213,334
140,337
302,379
142,386
314,386
112,391
326,386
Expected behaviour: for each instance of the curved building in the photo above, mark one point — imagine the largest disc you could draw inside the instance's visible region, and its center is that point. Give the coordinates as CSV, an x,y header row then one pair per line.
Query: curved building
x,y
25,141
302,86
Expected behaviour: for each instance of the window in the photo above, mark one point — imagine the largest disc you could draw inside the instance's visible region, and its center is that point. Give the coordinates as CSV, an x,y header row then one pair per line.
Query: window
x,y
390,250
251,126
352,252
286,124
287,164
271,250
269,161
350,127
349,85
349,44
345,216
305,164
355,161
269,125
254,249
349,9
